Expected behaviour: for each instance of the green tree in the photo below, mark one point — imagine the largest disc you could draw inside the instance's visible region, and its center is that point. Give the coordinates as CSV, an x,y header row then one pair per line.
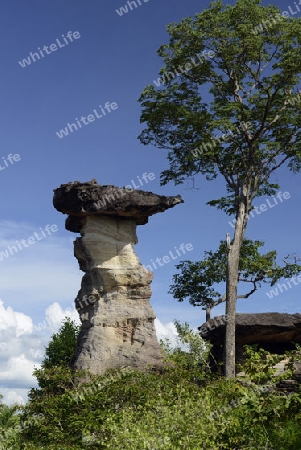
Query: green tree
x,y
252,81
7,414
9,421
198,281
56,364
60,349
192,351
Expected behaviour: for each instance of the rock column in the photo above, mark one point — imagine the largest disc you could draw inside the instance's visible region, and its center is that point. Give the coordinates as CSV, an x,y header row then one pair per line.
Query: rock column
x,y
113,302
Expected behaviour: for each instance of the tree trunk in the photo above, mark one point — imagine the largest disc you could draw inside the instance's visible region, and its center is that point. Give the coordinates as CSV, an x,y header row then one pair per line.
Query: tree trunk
x,y
208,311
231,291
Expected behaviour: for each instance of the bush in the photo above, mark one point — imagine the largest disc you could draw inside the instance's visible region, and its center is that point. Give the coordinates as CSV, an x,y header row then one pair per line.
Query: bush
x,y
180,406
9,426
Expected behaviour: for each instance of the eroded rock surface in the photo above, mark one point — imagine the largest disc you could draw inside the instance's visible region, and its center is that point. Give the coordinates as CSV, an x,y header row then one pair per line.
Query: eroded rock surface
x,y
80,200
269,328
113,302
272,331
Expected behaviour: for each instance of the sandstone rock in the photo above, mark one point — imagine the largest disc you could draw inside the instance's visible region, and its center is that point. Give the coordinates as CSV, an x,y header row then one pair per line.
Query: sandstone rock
x,y
113,302
270,328
274,332
80,200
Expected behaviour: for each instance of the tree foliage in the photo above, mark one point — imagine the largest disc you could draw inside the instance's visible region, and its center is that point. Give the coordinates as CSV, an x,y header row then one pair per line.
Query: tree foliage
x,y
9,426
60,349
192,351
250,81
58,357
242,89
200,281
181,406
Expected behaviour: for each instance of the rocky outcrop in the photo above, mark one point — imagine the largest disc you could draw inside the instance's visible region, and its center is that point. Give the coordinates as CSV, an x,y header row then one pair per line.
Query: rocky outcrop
x,y
274,332
81,200
113,302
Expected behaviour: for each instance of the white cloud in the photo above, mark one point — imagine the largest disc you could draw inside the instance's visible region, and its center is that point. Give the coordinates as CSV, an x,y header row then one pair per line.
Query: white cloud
x,y
22,347
10,397
54,315
18,370
21,323
167,331
20,351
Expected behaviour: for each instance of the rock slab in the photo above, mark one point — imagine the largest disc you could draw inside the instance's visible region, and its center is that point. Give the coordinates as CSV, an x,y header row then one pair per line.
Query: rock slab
x,y
270,328
272,331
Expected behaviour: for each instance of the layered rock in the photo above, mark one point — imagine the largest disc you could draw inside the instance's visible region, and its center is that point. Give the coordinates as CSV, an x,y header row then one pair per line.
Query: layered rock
x,y
113,302
272,331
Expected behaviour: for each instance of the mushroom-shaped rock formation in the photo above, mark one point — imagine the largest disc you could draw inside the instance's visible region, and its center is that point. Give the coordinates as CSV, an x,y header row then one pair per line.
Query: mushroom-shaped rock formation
x,y
113,302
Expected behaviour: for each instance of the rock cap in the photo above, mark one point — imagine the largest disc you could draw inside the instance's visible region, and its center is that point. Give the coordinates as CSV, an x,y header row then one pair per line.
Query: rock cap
x,y
253,328
80,200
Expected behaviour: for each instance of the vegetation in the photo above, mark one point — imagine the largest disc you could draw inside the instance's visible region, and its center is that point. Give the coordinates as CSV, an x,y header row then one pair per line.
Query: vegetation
x,y
199,280
50,377
224,109
9,425
60,349
58,356
181,405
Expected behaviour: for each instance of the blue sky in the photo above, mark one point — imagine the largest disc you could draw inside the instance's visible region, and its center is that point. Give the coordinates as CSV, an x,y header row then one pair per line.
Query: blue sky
x,y
112,61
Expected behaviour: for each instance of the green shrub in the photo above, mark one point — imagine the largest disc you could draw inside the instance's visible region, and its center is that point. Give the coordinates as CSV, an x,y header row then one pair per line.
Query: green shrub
x,y
180,406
